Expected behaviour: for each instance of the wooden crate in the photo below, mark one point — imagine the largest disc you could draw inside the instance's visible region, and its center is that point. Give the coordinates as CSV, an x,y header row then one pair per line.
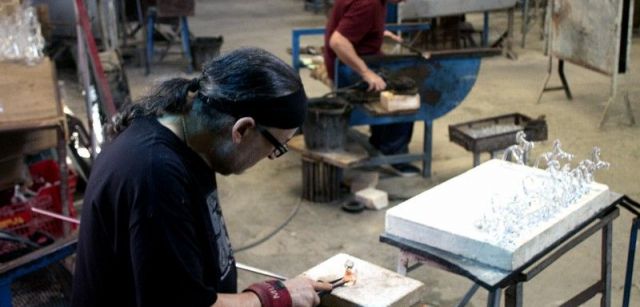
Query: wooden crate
x,y
28,93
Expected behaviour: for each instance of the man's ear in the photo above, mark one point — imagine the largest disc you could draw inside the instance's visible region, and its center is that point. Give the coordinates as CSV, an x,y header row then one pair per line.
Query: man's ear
x,y
240,128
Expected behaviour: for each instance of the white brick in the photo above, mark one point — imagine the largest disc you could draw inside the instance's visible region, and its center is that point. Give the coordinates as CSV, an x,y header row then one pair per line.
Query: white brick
x,y
392,102
372,198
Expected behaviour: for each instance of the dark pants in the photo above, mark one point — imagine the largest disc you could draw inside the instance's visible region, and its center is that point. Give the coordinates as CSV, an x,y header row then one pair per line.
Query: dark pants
x,y
391,139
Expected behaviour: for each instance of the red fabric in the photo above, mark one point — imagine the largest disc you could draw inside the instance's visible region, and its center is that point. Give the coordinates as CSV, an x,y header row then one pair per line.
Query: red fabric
x,y
361,22
271,293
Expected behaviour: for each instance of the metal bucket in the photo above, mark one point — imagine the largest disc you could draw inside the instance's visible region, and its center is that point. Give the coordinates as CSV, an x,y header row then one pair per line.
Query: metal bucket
x,y
326,124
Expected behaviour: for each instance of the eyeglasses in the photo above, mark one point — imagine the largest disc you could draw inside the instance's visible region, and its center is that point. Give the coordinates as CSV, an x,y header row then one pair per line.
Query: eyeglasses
x,y
280,149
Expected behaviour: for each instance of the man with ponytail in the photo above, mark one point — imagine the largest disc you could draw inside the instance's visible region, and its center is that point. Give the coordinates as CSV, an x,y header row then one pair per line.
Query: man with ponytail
x,y
152,230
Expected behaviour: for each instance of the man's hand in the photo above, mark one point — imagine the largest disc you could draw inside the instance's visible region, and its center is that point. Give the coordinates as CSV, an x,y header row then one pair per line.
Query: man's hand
x,y
303,291
347,54
392,36
376,83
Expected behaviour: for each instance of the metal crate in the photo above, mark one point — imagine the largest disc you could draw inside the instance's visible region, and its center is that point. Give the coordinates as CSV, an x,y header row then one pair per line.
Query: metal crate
x,y
497,133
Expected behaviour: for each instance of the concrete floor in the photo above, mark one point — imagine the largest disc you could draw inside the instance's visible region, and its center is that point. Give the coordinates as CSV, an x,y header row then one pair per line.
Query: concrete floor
x,y
259,200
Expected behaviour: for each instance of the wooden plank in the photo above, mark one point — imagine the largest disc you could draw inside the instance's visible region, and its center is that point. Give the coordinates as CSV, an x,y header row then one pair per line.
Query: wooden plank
x,y
50,122
342,159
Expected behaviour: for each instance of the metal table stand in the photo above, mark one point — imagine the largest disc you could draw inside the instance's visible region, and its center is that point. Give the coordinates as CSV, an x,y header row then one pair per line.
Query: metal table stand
x,y
495,280
32,262
634,208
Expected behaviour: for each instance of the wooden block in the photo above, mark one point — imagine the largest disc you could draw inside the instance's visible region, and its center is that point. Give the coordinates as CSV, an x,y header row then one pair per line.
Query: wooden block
x,y
28,93
375,286
372,198
392,102
341,159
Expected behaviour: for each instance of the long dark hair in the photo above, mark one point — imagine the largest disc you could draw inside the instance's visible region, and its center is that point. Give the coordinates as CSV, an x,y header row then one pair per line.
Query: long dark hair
x,y
240,75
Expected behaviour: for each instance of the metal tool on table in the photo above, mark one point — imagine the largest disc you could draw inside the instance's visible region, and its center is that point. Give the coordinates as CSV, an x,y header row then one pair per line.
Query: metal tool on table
x,y
334,284
251,269
349,276
423,53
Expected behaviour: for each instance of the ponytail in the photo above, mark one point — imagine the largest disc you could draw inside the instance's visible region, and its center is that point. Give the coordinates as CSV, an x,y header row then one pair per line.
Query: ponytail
x,y
243,75
169,97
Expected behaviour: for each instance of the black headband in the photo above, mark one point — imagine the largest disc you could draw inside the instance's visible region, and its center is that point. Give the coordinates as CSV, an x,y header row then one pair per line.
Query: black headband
x,y
285,112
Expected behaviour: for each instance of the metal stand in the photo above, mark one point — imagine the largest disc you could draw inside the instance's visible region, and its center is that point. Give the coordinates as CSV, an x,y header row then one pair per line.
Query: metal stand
x,y
563,79
506,37
476,157
621,53
32,262
485,30
39,259
612,99
633,207
527,16
509,48
184,37
494,280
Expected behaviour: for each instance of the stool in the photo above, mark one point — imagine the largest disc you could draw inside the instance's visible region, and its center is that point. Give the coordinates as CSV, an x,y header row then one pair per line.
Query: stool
x,y
320,181
184,34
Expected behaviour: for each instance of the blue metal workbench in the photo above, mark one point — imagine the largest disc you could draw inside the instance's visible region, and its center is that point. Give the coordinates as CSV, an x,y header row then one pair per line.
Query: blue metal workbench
x,y
444,80
32,262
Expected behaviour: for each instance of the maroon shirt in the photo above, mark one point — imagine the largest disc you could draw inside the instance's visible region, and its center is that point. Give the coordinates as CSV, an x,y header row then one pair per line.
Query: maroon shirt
x,y
361,22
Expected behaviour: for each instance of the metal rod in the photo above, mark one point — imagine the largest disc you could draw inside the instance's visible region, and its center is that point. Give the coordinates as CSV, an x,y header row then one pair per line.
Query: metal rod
x,y
607,238
259,271
565,84
485,30
423,53
513,295
467,297
494,298
55,215
98,72
427,148
571,244
628,280
584,296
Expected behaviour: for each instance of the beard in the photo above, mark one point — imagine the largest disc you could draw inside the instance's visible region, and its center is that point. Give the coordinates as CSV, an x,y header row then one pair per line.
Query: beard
x,y
221,159
227,159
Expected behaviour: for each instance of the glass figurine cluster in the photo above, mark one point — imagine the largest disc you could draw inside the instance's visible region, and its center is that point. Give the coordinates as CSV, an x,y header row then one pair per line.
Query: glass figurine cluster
x,y
541,197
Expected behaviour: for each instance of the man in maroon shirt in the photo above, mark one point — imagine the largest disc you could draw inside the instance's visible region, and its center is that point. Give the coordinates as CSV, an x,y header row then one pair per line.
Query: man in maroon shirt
x,y
356,28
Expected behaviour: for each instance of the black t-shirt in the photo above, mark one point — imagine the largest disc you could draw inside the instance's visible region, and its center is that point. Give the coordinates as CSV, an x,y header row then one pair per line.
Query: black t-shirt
x,y
152,232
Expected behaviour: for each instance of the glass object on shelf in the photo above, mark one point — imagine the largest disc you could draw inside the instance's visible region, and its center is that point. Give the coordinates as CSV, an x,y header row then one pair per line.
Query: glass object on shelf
x,y
20,33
